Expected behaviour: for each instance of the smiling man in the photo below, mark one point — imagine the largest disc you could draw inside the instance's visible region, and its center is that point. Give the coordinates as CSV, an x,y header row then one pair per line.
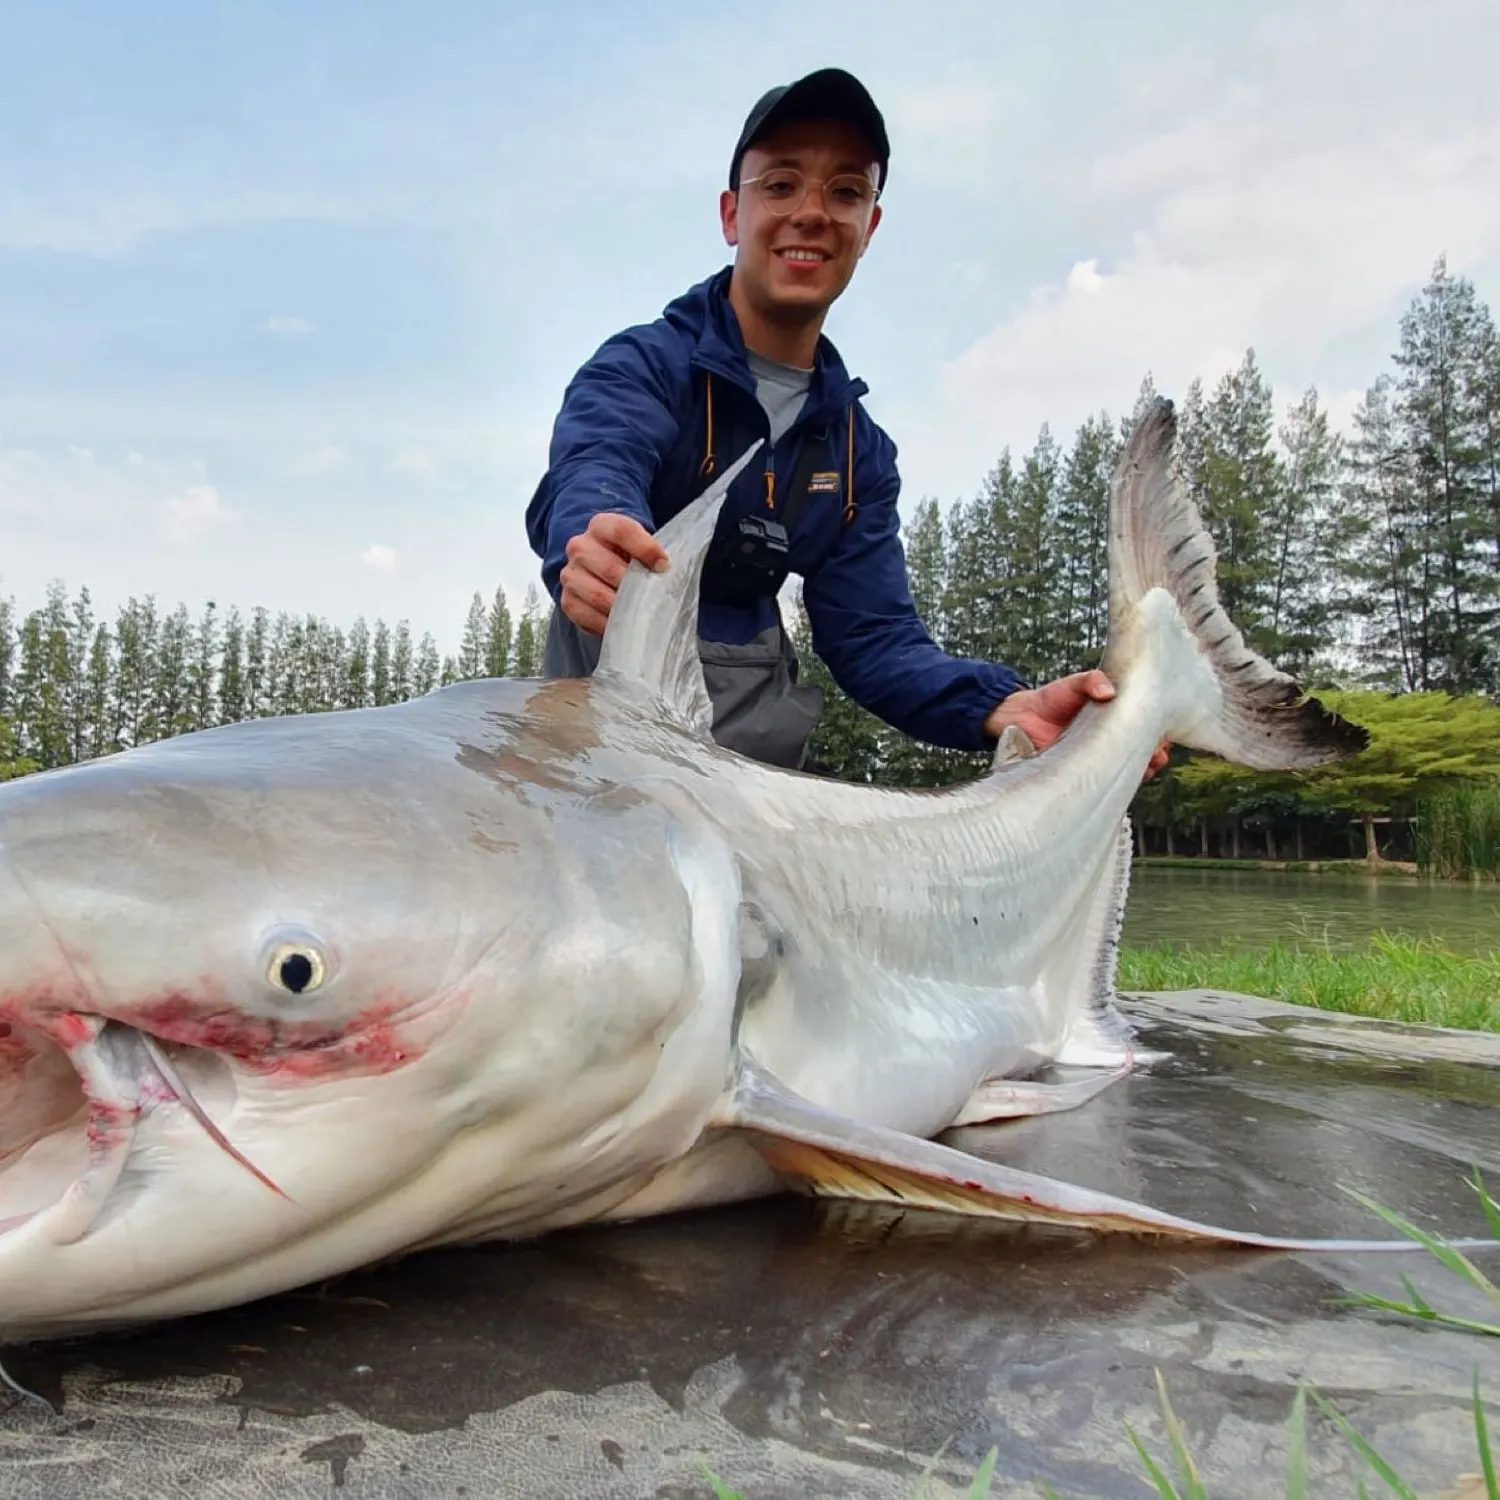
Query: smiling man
x,y
663,407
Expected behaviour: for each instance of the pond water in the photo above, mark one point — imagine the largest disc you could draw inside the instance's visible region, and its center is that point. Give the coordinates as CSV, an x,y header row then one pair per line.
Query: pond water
x,y
1252,908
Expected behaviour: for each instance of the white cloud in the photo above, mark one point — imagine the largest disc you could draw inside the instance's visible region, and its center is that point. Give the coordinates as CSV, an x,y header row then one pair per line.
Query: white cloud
x,y
379,557
326,458
1232,215
284,326
417,462
192,513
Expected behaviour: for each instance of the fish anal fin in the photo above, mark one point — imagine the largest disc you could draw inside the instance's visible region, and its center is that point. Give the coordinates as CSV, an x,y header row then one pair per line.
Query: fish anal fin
x,y
1023,1098
1083,972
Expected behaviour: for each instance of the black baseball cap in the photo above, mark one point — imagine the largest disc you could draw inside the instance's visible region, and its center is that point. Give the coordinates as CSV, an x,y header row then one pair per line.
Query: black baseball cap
x,y
828,94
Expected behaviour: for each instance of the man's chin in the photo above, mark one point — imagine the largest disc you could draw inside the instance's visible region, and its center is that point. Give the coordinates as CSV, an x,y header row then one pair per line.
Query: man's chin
x,y
801,299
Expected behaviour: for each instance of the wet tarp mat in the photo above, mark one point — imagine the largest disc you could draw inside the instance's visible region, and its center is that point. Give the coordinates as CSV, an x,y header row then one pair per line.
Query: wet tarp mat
x,y
804,1350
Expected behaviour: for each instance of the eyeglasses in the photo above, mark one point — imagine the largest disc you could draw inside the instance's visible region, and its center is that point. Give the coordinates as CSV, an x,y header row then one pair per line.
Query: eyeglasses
x,y
847,197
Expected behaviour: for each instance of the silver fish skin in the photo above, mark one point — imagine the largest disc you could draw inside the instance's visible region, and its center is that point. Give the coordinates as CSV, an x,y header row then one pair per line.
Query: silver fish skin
x,y
292,996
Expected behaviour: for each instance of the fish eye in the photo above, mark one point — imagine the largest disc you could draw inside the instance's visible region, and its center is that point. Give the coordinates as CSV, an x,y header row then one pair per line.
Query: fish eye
x,y
296,967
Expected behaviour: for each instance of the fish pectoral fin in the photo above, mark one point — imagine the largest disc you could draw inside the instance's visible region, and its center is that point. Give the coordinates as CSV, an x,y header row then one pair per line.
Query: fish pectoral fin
x,y
829,1155
1020,1098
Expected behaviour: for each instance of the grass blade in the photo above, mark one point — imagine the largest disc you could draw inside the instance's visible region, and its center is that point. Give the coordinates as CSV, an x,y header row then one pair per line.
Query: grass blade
x,y
981,1487
1481,1434
1361,1445
1185,1466
1164,1486
1445,1254
1488,1204
1418,1301
720,1489
1425,1313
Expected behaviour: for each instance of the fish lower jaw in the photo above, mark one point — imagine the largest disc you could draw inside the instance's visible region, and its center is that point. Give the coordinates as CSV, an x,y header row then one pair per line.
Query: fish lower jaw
x,y
77,1127
77,1087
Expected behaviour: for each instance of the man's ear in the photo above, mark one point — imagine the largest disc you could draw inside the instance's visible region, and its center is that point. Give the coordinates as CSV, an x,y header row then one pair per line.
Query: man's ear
x,y
729,216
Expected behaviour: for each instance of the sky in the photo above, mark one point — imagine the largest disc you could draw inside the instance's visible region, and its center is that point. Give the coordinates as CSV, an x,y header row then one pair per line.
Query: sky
x,y
289,294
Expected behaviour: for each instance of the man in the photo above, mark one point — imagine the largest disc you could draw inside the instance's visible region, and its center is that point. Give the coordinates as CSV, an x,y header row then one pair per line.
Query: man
x,y
661,408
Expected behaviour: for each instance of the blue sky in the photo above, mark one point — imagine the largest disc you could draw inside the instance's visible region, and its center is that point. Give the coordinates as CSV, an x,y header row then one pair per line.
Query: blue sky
x,y
288,294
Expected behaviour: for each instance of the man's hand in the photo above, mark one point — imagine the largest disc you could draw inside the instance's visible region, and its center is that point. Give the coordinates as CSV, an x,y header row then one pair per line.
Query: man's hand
x,y
597,560
1044,712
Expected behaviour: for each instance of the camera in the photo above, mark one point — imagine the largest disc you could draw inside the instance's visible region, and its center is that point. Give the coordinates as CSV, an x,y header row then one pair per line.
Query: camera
x,y
749,563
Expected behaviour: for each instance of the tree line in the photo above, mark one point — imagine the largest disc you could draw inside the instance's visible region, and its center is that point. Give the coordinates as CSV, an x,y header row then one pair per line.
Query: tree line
x,y
73,687
1365,561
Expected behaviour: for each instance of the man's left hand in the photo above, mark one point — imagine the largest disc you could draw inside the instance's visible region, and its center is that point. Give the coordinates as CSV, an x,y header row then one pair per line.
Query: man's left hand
x,y
1044,712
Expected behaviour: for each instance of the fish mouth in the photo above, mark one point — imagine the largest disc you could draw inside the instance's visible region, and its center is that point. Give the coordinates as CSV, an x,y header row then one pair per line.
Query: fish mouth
x,y
73,1091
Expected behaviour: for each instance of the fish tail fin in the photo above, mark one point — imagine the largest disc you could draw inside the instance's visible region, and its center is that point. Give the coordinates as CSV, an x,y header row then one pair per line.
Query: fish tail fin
x,y
1230,700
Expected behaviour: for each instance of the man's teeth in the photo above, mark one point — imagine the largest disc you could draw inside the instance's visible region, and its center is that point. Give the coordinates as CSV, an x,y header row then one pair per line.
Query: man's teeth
x,y
804,255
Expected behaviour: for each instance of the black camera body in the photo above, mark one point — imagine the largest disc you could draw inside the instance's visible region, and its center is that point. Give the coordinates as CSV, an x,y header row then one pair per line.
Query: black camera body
x,y
749,563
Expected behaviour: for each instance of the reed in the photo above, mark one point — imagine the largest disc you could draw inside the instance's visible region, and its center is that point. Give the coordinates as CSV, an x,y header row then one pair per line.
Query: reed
x,y
1458,832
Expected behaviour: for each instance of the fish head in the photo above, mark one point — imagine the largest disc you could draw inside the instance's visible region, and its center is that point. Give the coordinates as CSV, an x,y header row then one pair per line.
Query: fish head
x,y
269,1011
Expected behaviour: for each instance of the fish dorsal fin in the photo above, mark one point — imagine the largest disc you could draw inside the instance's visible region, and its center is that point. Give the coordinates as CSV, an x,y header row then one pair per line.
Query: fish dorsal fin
x,y
651,638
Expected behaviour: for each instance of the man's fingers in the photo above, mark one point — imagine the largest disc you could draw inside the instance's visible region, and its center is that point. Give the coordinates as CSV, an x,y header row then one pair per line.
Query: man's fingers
x,y
581,586
582,614
628,536
597,561
587,554
1064,697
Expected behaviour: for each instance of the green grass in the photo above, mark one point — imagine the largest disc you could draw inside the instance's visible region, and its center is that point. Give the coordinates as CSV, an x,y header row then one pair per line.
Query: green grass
x,y
1458,832
1386,869
1395,978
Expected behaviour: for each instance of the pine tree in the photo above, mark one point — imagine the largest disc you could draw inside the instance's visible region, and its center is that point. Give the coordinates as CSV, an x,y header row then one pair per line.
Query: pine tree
x,y
498,642
234,695
1302,533
258,680
1032,643
401,664
1443,414
471,653
203,670
381,690
135,668
7,653
528,651
102,731
425,673
171,699
1081,589
856,744
79,635
1240,480
356,688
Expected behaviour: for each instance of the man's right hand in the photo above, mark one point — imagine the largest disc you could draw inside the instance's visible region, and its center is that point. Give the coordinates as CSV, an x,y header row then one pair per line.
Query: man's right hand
x,y
597,560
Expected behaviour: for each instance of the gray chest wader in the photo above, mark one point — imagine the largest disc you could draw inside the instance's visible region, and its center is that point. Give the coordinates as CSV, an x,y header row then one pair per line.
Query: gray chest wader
x,y
760,708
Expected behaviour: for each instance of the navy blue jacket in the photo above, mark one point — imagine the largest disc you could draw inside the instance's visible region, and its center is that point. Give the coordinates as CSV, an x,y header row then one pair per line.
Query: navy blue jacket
x,y
632,437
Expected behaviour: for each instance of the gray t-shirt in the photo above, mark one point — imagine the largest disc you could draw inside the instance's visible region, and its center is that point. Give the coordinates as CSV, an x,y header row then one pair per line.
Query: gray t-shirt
x,y
781,389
